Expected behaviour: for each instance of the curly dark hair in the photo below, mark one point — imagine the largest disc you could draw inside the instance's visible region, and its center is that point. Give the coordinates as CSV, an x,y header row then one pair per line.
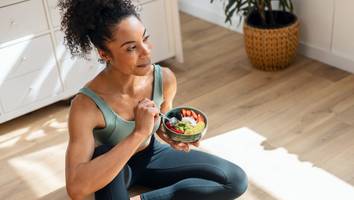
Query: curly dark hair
x,y
92,21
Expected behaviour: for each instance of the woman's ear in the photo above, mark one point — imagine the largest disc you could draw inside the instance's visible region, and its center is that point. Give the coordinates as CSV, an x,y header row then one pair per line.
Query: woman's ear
x,y
103,54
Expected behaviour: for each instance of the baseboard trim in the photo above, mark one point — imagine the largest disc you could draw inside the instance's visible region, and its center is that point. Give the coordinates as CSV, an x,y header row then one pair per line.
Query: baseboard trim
x,y
325,56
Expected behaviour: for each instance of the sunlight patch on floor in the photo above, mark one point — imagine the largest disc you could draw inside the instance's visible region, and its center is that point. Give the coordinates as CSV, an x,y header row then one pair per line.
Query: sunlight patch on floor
x,y
276,171
11,138
37,170
35,135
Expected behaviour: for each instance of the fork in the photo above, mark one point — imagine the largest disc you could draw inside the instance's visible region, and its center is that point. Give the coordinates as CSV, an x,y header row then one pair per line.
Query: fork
x,y
164,116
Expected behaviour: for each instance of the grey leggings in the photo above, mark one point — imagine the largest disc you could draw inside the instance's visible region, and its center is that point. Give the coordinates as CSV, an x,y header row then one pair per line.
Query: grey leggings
x,y
175,175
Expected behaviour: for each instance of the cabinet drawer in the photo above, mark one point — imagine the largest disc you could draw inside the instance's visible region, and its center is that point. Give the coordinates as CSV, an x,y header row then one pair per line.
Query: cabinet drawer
x,y
32,87
54,12
26,57
22,19
75,72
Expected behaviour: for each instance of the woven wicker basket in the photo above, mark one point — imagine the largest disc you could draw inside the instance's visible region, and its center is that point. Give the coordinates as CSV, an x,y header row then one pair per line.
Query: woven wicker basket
x,y
271,49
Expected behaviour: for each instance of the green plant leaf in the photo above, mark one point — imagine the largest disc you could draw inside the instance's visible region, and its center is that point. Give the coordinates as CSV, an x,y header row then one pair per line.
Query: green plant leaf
x,y
229,5
246,7
281,5
291,6
229,16
240,6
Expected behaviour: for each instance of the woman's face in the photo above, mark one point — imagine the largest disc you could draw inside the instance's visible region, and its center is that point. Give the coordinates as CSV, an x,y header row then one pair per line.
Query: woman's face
x,y
130,49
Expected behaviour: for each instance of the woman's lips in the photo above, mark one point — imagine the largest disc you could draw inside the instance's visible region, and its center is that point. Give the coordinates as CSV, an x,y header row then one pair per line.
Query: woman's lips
x,y
144,65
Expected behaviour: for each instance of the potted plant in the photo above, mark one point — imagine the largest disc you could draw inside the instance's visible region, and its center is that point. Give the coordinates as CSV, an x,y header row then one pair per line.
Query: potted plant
x,y
271,35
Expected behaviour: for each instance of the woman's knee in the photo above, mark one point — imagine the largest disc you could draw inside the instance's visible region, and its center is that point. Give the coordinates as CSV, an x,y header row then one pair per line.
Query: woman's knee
x,y
237,181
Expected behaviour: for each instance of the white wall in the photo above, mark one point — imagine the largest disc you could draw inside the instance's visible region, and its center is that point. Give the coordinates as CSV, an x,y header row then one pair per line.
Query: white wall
x,y
213,13
326,28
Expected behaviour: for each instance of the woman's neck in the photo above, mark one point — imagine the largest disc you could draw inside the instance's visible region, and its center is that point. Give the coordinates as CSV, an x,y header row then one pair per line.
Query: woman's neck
x,y
117,82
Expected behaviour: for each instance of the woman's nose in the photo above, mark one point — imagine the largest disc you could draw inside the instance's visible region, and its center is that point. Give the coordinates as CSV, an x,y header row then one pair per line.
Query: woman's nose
x,y
146,50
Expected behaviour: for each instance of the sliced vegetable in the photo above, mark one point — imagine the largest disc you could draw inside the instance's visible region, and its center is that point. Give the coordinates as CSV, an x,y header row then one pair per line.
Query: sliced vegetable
x,y
184,113
195,116
196,129
200,118
189,113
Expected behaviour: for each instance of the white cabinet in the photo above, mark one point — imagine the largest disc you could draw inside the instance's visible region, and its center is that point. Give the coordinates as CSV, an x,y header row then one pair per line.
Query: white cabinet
x,y
36,68
343,31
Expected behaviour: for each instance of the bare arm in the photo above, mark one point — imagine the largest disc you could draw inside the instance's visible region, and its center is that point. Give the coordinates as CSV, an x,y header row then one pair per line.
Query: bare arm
x,y
169,93
169,89
83,175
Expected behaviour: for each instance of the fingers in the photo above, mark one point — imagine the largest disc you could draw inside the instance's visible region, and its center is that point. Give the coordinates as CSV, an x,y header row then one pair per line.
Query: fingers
x,y
149,105
196,144
167,139
147,102
181,146
155,111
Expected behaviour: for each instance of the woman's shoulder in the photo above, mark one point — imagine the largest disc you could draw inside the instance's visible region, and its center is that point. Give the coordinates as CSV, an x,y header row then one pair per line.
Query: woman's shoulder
x,y
168,76
169,82
81,101
84,110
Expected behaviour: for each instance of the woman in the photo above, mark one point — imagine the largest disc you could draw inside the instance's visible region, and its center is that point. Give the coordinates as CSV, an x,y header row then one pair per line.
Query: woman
x,y
113,120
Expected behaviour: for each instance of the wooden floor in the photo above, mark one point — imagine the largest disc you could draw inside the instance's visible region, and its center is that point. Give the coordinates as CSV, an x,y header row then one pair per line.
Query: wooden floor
x,y
307,109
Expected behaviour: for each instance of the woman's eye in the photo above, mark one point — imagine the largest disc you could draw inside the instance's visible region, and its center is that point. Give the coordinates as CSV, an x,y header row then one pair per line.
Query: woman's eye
x,y
131,48
146,38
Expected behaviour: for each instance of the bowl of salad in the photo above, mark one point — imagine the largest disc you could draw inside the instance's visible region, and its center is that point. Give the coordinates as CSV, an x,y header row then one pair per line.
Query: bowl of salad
x,y
185,124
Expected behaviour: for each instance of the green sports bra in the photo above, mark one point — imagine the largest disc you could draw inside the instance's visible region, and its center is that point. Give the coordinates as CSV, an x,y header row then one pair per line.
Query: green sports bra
x,y
117,128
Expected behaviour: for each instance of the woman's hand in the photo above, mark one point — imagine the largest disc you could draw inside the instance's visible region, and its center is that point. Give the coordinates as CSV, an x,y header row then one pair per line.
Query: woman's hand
x,y
146,114
180,146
